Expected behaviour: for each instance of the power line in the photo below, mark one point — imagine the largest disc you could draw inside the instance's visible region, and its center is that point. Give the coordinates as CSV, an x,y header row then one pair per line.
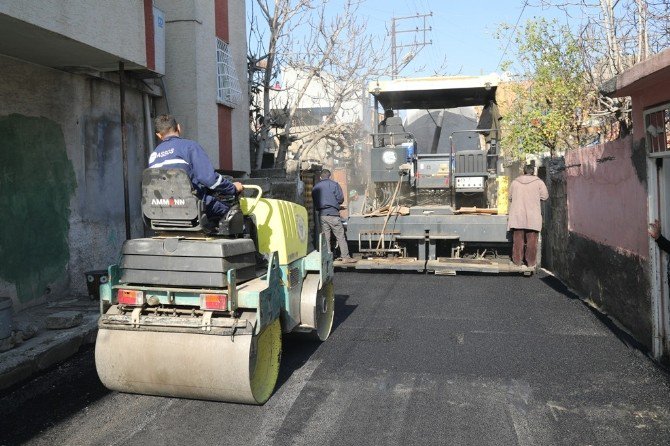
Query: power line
x,y
415,47
525,3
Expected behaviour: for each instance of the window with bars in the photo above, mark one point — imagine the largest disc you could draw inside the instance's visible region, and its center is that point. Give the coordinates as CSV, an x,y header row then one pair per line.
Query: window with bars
x,y
228,84
657,129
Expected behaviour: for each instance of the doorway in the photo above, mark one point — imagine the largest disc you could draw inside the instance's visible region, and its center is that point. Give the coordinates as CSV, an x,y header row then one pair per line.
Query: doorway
x,y
659,208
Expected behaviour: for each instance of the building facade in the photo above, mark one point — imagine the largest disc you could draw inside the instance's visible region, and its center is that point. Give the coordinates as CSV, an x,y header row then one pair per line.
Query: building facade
x,y
69,69
205,81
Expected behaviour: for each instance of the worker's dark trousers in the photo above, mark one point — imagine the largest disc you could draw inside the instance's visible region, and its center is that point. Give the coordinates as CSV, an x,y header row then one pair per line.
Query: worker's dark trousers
x,y
524,238
331,223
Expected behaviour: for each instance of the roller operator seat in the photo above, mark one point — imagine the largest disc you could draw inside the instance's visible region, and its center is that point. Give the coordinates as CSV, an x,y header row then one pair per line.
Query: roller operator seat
x,y
170,204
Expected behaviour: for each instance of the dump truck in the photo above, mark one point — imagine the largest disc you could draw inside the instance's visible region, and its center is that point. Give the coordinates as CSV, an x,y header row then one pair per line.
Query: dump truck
x,y
431,210
198,310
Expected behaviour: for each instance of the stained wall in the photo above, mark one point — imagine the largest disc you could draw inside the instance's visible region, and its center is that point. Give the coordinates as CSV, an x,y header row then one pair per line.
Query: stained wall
x,y
61,179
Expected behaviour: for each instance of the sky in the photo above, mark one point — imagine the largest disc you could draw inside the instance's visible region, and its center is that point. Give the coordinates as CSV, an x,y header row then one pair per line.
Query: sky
x,y
463,31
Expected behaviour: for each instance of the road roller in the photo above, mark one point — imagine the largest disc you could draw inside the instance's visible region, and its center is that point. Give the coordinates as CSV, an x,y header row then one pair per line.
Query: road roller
x,y
199,309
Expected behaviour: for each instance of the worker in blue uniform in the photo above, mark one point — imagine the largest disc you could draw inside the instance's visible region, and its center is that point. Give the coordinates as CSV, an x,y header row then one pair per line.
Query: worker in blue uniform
x,y
328,197
174,152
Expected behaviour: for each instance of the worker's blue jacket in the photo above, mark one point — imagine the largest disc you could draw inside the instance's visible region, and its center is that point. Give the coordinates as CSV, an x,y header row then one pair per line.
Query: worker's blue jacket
x,y
177,153
327,197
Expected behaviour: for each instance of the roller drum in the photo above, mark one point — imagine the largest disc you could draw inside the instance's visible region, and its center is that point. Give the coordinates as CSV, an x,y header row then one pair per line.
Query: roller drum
x,y
240,369
317,307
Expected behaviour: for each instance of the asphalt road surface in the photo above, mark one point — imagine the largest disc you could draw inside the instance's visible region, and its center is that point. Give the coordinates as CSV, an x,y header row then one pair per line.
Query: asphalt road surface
x,y
413,360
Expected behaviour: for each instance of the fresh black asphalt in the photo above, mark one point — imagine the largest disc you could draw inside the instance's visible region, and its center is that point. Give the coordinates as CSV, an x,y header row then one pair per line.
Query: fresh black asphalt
x,y
413,360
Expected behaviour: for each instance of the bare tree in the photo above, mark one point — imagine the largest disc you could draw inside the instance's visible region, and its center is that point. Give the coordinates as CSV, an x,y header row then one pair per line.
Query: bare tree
x,y
330,59
280,19
643,36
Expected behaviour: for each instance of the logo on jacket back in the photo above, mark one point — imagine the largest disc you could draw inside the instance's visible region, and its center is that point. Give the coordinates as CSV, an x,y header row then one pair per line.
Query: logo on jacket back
x,y
170,202
162,154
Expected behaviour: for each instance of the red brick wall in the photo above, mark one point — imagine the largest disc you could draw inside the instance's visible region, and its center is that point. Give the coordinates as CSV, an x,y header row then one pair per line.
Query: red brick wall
x,y
221,18
149,34
225,136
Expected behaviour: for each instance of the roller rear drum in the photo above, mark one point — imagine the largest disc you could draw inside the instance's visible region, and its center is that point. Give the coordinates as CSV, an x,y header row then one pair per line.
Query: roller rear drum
x,y
240,368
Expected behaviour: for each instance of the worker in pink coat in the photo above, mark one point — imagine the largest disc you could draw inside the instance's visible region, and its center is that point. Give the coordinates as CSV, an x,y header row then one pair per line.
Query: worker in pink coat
x,y
525,215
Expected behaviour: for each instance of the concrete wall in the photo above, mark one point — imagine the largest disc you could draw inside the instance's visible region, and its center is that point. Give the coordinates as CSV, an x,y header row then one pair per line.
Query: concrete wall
x,y
601,200
595,231
607,197
189,39
61,179
191,82
114,26
240,125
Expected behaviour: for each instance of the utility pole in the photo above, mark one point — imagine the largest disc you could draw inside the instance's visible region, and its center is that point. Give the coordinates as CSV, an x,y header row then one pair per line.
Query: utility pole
x,y
416,46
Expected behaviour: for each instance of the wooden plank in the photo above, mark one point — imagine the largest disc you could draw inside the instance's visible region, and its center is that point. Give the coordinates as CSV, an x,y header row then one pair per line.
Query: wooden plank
x,y
476,210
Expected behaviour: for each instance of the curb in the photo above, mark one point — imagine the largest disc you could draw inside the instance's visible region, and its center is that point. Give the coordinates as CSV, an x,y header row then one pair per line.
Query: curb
x,y
30,358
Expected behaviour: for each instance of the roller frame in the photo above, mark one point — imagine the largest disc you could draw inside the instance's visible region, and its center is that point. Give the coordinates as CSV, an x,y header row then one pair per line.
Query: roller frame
x,y
321,261
318,262
179,372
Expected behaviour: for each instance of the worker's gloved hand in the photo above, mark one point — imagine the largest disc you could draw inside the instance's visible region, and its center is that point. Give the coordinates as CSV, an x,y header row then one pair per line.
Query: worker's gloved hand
x,y
655,229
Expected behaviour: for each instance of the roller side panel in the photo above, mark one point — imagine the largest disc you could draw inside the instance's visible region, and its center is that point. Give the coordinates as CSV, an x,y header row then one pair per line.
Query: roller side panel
x,y
321,261
292,277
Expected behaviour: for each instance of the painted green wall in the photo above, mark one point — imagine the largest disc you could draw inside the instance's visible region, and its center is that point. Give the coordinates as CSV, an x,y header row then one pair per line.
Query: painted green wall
x,y
36,183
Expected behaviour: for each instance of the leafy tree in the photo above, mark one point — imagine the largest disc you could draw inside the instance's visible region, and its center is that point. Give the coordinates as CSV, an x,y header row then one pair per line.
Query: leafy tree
x,y
613,35
549,94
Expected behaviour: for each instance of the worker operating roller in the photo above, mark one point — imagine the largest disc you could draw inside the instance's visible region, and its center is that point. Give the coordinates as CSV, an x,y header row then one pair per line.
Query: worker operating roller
x,y
175,152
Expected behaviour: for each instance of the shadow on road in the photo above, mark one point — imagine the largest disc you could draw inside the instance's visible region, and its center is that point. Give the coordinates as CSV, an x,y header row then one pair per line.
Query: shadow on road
x,y
342,310
298,349
53,396
30,408
622,335
558,286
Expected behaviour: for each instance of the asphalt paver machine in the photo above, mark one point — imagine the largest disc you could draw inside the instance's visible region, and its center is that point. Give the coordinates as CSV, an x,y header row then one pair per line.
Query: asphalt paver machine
x,y
434,210
198,310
